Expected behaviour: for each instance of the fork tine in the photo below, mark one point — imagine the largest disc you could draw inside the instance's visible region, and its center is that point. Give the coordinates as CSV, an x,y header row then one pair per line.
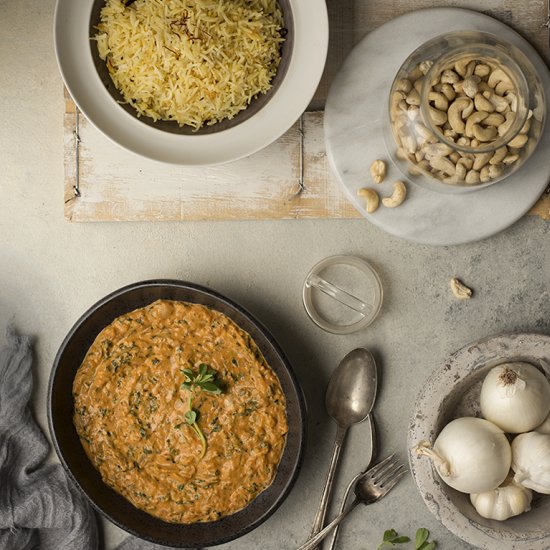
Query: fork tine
x,y
389,486
375,469
388,476
386,468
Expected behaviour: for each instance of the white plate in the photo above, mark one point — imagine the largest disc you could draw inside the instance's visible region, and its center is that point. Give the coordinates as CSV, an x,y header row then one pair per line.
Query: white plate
x,y
452,392
72,46
354,116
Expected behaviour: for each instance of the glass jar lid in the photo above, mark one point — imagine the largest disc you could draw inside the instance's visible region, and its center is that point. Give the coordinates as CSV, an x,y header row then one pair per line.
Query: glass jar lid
x,y
342,294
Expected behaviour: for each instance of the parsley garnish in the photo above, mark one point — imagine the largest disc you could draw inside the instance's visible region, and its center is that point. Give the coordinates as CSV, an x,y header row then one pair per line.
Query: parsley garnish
x,y
204,380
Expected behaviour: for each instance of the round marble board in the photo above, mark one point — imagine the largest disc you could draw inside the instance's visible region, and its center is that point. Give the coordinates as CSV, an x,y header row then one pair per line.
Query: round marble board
x,y
354,117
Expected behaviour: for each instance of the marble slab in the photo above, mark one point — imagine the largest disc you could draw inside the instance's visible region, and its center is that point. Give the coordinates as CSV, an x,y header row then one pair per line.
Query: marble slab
x,y
354,119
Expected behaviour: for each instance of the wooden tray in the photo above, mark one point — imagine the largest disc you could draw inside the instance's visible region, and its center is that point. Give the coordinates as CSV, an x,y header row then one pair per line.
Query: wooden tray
x,y
287,180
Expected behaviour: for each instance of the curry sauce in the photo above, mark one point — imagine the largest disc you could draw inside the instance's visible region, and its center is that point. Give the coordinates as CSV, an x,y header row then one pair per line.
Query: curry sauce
x,y
139,410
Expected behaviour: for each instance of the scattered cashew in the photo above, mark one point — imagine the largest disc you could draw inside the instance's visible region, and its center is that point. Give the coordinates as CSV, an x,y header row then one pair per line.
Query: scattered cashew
x,y
371,199
448,91
397,197
460,290
378,171
413,98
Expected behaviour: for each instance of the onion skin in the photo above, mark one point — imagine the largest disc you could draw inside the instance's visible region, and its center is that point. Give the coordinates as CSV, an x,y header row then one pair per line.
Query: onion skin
x,y
515,397
531,461
471,455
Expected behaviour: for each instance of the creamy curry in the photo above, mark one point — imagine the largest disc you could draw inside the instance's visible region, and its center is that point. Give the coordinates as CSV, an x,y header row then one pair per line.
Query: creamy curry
x,y
178,410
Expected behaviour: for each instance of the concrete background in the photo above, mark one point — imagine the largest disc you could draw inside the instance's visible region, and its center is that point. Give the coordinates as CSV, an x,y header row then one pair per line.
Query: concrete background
x,y
51,271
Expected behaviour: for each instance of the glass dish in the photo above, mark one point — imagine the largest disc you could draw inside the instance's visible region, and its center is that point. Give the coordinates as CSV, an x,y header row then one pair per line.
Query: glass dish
x,y
465,111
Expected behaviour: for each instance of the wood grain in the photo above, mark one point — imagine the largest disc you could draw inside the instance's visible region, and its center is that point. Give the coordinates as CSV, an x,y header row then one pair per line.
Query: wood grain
x,y
116,185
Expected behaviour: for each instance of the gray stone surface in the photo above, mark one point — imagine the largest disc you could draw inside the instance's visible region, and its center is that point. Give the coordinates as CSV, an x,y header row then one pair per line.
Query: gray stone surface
x,y
51,271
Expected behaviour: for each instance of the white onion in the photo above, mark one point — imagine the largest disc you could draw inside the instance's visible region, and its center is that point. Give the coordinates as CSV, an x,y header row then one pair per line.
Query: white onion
x,y
531,461
515,397
472,455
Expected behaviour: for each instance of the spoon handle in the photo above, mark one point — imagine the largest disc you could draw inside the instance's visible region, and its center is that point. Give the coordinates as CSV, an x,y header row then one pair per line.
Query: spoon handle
x,y
370,456
313,542
327,491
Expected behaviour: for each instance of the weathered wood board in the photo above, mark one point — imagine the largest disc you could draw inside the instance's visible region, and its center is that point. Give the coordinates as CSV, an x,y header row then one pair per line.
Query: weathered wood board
x,y
116,185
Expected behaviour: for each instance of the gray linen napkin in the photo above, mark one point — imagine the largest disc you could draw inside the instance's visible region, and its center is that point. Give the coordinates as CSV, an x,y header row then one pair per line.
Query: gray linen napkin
x,y
39,508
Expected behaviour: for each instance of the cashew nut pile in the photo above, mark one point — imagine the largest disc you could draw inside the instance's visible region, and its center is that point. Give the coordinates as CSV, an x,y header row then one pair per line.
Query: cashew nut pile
x,y
473,102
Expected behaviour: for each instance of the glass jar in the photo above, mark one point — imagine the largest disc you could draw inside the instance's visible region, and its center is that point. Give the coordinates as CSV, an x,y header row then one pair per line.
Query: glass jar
x,y
465,111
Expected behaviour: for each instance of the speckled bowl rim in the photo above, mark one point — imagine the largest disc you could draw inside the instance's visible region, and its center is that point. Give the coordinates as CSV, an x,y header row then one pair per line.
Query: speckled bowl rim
x,y
530,347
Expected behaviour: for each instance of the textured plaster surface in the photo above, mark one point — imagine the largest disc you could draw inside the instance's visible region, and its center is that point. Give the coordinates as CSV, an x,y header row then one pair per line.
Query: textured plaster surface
x,y
51,271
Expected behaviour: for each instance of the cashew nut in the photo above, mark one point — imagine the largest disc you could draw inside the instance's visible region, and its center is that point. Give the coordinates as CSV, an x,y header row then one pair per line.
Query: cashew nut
x,y
474,118
494,119
499,155
506,125
425,66
413,98
457,111
480,160
403,85
484,134
497,76
438,117
437,150
519,141
482,70
465,67
443,164
470,86
483,104
397,197
448,91
484,174
454,157
371,199
495,171
449,77
439,100
510,159
378,171
460,290
466,162
472,177
502,87
498,101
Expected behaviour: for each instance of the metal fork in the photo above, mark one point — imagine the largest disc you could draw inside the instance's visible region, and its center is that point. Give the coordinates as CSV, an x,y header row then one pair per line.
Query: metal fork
x,y
370,487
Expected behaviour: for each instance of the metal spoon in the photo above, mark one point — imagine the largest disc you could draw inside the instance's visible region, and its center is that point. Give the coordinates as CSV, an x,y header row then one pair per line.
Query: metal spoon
x,y
352,483
349,399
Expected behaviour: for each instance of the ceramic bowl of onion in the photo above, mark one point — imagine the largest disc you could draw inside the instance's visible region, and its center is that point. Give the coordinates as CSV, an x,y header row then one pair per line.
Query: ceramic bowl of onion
x,y
479,442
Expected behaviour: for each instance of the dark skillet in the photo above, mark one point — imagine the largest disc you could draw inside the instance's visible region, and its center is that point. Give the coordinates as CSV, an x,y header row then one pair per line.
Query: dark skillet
x,y
72,456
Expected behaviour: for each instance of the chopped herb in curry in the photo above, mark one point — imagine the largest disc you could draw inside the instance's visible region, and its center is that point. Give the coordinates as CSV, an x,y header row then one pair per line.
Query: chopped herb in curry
x,y
178,410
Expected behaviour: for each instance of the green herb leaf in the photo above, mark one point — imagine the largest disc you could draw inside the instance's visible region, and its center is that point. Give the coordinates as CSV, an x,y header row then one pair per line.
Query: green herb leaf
x,y
203,368
400,540
421,537
210,387
191,417
428,546
389,535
